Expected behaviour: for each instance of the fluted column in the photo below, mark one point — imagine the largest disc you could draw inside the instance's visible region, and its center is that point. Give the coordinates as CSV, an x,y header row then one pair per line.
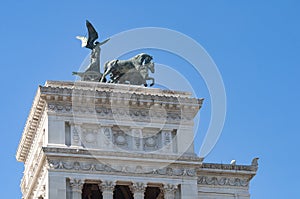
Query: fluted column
x,y
107,187
76,185
169,191
138,190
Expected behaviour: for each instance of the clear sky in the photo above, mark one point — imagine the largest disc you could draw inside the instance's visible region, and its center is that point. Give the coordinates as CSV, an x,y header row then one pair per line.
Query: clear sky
x,y
255,45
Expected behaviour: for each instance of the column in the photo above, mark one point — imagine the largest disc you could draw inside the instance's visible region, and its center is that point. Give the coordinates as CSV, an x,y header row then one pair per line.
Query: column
x,y
138,190
76,185
169,191
107,187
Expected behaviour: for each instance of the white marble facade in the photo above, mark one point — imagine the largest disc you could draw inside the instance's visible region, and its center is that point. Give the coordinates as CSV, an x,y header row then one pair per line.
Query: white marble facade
x,y
85,138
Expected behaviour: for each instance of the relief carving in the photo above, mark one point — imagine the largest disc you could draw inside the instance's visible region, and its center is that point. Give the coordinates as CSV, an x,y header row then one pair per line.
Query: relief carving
x,y
222,181
88,166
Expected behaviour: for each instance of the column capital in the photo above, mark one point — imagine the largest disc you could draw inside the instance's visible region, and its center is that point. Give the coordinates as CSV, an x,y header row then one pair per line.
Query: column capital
x,y
107,185
76,184
169,190
138,189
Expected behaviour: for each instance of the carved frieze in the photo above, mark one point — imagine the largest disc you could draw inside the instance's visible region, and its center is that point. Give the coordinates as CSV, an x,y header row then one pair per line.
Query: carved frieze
x,y
223,181
124,138
99,167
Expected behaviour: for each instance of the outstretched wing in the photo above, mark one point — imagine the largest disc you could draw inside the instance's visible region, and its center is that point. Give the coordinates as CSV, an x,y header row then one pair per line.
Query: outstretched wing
x,y
83,40
93,35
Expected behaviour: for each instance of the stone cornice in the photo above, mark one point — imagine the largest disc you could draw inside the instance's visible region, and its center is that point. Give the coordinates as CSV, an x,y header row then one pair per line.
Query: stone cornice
x,y
30,128
119,96
85,153
123,88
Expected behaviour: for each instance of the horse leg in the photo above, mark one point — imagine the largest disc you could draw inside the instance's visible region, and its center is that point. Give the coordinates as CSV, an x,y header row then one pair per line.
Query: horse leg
x,y
102,78
106,72
150,78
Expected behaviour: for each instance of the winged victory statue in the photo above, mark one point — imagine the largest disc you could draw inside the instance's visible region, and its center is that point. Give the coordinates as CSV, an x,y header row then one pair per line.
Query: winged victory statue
x,y
92,73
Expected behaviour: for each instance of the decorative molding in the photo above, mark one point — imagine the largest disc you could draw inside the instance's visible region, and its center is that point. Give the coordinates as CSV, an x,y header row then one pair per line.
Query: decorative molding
x,y
99,167
120,139
223,181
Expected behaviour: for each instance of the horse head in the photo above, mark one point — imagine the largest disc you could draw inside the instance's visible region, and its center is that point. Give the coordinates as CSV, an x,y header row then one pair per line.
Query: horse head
x,y
151,67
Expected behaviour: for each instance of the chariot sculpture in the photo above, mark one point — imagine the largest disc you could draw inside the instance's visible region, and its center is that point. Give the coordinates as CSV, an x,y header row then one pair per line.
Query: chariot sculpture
x,y
134,71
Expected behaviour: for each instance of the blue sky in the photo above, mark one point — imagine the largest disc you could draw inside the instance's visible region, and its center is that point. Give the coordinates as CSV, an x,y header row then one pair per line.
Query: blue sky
x,y
255,45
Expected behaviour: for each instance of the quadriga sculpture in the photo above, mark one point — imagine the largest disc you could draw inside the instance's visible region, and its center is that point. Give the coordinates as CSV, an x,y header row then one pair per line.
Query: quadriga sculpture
x,y
133,71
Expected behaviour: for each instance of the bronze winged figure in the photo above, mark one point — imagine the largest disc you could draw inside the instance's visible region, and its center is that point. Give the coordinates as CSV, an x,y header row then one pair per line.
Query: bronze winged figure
x,y
92,73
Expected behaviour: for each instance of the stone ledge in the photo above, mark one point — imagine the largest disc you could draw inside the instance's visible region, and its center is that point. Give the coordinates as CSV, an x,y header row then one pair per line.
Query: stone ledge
x,y
81,152
226,167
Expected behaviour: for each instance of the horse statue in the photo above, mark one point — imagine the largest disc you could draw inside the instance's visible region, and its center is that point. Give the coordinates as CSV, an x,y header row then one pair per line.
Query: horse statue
x,y
133,71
